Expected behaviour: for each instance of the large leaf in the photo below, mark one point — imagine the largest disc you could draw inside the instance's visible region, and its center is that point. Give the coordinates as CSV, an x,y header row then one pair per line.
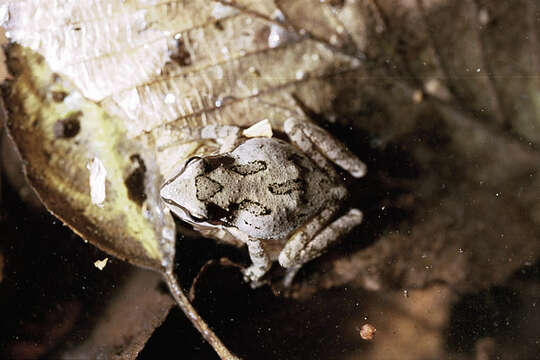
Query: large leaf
x,y
439,97
59,133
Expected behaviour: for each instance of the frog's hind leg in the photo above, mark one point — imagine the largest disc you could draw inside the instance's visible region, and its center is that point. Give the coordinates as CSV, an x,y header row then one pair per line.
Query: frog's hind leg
x,y
315,238
309,137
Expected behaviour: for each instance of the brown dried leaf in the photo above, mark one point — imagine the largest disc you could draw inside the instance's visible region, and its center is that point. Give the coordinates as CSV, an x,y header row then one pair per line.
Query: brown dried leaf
x,y
189,64
465,176
58,134
450,108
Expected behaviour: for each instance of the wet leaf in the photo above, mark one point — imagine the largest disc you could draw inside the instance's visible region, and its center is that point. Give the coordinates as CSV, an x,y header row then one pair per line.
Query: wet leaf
x,y
455,171
189,64
439,97
137,308
59,137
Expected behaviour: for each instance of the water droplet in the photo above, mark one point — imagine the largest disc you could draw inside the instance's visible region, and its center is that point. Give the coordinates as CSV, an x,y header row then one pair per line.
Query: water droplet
x,y
278,16
483,16
279,35
220,11
219,72
274,38
169,99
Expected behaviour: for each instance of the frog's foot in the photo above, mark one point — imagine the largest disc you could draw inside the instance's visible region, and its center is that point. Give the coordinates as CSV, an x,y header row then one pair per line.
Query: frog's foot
x,y
313,139
311,242
253,275
290,275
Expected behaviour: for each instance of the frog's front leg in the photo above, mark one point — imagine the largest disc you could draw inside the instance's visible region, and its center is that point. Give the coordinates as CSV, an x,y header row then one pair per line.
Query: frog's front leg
x,y
311,241
261,262
260,259
312,139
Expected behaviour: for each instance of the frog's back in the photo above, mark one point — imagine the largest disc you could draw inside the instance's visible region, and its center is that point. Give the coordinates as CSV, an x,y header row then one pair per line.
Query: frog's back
x,y
281,187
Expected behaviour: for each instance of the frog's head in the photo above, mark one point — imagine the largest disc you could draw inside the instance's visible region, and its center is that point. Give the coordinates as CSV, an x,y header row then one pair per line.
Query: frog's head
x,y
180,193
188,193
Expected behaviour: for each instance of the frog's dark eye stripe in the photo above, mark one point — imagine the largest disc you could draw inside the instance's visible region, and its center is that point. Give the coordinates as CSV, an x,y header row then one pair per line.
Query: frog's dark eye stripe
x,y
250,168
213,162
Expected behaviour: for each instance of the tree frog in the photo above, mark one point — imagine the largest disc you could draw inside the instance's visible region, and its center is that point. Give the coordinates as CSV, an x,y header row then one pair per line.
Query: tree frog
x,y
281,198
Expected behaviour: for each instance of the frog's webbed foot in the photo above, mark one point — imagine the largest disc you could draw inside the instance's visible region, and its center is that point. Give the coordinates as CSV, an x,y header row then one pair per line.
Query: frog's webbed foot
x,y
316,236
314,141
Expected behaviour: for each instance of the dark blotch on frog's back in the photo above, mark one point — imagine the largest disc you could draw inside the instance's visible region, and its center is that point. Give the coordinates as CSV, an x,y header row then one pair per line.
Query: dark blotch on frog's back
x,y
250,168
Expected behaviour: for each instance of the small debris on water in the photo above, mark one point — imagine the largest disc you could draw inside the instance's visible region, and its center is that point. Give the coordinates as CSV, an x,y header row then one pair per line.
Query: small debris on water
x,y
367,332
100,264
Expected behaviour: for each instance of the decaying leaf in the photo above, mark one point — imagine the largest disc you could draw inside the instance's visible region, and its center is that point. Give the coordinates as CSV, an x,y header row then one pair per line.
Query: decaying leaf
x,y
444,111
184,66
59,133
121,332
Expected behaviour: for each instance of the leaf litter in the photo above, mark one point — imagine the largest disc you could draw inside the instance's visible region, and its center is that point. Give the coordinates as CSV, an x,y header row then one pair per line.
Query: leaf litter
x,y
453,186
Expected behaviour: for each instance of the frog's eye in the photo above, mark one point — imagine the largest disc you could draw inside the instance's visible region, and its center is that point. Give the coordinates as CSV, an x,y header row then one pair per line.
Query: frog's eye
x,y
196,219
192,159
213,162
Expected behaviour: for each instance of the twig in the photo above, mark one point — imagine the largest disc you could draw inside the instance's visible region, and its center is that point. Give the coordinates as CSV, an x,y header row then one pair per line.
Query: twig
x,y
492,88
195,318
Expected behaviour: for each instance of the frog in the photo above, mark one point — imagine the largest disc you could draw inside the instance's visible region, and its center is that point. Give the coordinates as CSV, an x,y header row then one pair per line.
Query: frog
x,y
281,197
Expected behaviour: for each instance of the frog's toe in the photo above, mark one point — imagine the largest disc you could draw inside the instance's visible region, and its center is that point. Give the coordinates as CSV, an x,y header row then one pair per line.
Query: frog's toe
x,y
253,275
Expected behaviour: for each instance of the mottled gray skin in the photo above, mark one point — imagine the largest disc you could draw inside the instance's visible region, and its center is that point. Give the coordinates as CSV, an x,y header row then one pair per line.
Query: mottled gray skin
x,y
280,199
265,188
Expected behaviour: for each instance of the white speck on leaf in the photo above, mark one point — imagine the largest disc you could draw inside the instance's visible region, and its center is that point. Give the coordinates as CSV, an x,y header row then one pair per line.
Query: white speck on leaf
x,y
261,129
98,175
220,11
279,35
169,99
